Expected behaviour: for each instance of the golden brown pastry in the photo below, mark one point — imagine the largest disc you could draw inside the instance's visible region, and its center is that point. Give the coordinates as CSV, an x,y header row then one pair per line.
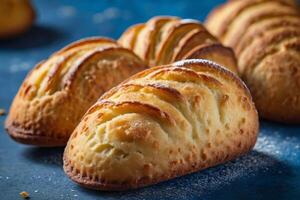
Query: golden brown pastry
x,y
162,123
58,91
163,40
265,35
16,16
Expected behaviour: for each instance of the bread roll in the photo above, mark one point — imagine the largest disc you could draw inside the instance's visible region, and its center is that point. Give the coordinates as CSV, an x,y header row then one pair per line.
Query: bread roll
x,y
163,40
16,16
58,91
265,35
162,123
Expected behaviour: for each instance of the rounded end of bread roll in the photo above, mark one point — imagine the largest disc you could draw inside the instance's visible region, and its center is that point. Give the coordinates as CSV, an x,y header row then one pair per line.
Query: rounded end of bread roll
x,y
275,87
39,123
58,91
162,123
16,17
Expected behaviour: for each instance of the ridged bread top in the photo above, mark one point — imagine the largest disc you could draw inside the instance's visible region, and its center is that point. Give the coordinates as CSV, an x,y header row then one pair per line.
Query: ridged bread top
x,y
58,91
231,21
161,123
59,71
163,40
265,35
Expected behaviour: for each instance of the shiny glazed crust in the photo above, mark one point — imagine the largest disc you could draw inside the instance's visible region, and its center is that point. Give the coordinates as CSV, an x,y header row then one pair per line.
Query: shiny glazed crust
x,y
265,35
165,39
162,123
58,91
16,17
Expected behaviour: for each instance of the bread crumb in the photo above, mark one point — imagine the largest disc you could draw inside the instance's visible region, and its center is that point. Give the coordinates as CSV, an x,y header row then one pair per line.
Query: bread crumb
x,y
25,195
2,111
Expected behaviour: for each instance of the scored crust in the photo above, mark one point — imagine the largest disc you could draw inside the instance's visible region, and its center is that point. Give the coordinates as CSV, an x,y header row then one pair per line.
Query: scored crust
x,y
57,92
166,39
225,55
47,96
146,152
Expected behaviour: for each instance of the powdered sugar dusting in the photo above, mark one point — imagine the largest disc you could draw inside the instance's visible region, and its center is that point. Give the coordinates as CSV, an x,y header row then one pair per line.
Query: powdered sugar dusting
x,y
269,157
197,61
190,21
211,64
201,183
54,159
279,145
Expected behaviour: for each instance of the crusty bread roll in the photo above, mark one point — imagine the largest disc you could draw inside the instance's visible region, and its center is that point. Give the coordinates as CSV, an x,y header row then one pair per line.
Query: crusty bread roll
x,y
162,123
58,91
163,40
265,35
16,16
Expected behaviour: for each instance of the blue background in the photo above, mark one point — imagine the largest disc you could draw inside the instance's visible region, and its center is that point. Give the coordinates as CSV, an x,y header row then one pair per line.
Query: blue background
x,y
270,171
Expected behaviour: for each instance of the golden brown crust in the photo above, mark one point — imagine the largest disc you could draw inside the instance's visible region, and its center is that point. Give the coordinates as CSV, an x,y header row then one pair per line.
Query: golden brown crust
x,y
224,55
260,29
29,137
231,11
87,42
264,12
162,123
129,36
58,91
50,87
165,39
16,17
174,36
190,41
265,36
104,185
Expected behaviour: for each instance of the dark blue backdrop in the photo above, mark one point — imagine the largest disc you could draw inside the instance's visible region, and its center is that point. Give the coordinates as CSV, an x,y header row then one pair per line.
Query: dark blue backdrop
x,y
270,171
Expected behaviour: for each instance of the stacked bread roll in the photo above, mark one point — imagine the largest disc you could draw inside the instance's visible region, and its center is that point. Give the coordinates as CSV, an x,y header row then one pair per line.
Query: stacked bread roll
x,y
164,39
16,16
58,91
265,35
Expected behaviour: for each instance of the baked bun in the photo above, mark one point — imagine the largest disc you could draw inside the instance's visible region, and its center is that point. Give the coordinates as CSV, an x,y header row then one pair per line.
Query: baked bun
x,y
163,40
16,16
58,91
162,123
265,35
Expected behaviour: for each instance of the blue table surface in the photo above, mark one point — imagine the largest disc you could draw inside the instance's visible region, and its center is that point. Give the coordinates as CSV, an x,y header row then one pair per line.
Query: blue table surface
x,y
270,171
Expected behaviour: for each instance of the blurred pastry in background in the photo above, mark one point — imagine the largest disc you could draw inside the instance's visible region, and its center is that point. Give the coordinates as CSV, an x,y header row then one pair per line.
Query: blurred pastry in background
x,y
16,17
265,35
